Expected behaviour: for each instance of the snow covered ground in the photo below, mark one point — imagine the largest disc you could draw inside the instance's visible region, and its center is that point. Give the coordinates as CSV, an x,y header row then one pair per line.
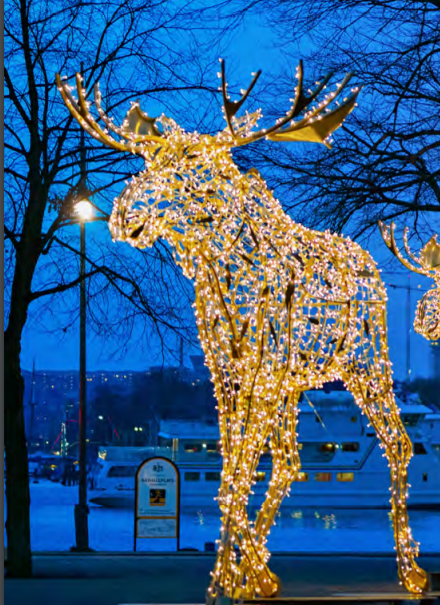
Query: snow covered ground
x,y
52,527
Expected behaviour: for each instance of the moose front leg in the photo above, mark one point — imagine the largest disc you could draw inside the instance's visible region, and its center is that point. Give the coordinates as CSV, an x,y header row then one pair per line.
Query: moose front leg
x,y
285,465
241,443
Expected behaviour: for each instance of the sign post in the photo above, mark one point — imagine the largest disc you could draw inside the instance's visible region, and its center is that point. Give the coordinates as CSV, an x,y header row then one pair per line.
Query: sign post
x,y
157,500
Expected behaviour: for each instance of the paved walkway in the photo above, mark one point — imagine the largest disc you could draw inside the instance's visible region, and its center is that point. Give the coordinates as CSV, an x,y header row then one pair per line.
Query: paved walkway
x,y
116,579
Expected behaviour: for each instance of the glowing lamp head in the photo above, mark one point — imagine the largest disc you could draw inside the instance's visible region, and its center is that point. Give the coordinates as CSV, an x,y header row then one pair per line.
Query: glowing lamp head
x,y
84,209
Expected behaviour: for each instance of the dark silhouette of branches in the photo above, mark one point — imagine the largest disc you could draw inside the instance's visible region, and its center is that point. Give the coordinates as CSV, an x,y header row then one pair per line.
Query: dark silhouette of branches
x,y
385,161
147,49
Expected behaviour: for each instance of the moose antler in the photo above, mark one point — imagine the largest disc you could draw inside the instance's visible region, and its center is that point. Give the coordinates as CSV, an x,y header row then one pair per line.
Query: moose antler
x,y
138,129
426,263
316,125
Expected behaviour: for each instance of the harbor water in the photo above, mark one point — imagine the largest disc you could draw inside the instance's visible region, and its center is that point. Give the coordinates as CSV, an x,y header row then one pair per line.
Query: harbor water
x,y
296,530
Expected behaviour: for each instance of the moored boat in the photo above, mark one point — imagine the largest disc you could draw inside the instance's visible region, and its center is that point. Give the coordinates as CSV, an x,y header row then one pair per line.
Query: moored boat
x,y
343,465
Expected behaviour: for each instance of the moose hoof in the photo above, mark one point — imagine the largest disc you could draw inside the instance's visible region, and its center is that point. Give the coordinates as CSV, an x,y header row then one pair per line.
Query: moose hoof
x,y
268,584
417,580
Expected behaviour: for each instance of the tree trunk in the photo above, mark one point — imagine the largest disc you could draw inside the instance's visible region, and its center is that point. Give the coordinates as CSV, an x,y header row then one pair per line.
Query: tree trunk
x,y
19,562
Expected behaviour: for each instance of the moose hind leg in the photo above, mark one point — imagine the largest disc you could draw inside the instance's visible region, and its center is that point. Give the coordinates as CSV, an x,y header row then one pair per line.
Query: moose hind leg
x,y
383,414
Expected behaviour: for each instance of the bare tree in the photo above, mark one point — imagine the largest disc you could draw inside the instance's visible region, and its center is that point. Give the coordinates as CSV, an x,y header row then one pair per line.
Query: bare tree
x,y
385,162
140,48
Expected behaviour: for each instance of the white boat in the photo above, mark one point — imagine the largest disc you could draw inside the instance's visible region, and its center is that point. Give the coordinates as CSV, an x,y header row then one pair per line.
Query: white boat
x,y
342,463
431,428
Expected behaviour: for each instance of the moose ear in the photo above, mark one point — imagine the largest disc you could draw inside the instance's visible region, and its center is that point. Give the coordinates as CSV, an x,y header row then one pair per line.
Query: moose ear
x,y
319,130
137,122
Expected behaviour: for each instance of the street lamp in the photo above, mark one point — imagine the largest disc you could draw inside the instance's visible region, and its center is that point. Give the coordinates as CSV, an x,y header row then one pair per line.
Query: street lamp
x,y
84,210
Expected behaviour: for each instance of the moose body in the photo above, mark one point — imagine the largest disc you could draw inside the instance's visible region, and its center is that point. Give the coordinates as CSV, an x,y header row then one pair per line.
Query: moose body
x,y
279,309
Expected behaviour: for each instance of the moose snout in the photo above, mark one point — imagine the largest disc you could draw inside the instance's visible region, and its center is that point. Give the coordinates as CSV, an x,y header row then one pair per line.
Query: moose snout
x,y
134,226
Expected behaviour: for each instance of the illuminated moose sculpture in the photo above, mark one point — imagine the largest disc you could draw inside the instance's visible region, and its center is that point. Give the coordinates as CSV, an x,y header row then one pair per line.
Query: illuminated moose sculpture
x,y
279,308
427,263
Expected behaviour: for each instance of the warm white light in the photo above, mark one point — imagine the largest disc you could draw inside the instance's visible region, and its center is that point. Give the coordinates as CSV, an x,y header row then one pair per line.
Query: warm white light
x,y
84,209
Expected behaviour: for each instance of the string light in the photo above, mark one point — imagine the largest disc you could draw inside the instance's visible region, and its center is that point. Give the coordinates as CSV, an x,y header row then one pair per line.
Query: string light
x,y
427,263
280,309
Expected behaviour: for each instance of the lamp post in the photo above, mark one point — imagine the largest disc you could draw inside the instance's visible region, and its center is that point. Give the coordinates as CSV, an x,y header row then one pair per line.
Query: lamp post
x,y
84,211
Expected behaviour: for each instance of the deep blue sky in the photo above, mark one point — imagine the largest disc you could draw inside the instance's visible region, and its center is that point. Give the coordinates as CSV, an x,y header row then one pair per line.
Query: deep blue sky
x,y
252,48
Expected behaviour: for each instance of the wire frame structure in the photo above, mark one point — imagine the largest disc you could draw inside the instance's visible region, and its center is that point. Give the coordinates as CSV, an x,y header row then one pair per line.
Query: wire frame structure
x,y
427,263
279,308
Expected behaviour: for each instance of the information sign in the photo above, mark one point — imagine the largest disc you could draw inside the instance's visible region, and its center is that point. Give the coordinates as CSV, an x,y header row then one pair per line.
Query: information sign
x,y
157,500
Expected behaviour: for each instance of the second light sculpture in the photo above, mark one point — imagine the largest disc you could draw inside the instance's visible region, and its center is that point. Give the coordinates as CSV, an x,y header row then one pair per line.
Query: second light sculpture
x,y
427,263
279,308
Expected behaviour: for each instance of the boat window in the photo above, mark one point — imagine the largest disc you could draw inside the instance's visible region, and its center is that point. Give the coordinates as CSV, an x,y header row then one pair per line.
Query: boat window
x,y
301,477
353,419
425,476
122,471
212,476
410,419
350,447
327,447
193,447
165,442
260,476
345,476
192,476
323,476
419,448
212,447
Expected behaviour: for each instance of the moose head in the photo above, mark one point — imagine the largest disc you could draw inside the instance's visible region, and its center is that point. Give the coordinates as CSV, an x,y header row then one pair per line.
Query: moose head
x,y
427,321
182,169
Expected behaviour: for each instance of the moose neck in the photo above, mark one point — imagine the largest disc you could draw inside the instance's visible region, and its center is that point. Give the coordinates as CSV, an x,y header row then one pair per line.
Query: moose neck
x,y
230,209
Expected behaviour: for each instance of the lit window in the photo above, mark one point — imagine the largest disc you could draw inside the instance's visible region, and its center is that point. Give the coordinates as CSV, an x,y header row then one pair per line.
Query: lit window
x,y
328,448
260,476
301,477
192,476
211,447
193,447
212,476
323,476
345,477
350,447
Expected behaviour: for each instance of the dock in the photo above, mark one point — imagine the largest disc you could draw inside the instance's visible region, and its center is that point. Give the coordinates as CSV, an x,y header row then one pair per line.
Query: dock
x,y
176,579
